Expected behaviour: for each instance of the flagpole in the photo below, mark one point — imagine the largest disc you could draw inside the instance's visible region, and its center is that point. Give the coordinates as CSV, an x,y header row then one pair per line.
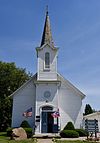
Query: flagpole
x,y
58,109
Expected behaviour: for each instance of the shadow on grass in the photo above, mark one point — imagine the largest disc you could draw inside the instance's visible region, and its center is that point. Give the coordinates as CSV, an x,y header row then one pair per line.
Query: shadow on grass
x,y
4,134
5,139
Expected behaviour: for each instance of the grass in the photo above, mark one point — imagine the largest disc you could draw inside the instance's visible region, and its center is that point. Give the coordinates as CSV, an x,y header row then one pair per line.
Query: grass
x,y
5,139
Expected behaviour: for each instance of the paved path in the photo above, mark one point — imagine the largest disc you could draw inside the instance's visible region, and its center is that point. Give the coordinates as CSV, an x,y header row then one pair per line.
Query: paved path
x,y
50,140
73,139
45,141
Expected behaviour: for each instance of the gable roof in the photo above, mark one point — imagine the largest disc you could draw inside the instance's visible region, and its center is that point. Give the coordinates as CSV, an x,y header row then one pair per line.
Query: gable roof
x,y
59,78
34,77
92,114
46,44
71,86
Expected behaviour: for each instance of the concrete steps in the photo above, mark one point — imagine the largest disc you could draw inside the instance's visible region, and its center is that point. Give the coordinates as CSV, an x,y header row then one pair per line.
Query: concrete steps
x,y
47,135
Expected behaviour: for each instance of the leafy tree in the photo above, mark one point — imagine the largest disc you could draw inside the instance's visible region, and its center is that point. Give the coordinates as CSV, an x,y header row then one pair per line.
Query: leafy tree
x,y
11,78
88,109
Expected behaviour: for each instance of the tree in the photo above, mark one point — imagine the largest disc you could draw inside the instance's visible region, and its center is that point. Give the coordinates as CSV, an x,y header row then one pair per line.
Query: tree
x,y
88,109
11,78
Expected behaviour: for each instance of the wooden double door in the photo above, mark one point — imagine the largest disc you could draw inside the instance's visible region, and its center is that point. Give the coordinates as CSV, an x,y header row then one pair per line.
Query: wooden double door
x,y
48,123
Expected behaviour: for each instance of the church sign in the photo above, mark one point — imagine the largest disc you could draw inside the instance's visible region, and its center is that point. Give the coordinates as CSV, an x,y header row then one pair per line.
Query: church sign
x,y
91,126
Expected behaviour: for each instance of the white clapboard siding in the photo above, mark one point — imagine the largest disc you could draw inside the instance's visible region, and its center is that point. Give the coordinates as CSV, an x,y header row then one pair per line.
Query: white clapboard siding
x,y
70,104
23,100
42,73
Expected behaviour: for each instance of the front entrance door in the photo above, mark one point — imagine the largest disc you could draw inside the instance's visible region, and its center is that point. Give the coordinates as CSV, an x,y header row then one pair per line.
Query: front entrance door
x,y
48,123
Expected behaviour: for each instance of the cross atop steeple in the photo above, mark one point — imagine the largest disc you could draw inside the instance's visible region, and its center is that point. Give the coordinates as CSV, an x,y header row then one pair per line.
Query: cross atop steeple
x,y
47,10
47,36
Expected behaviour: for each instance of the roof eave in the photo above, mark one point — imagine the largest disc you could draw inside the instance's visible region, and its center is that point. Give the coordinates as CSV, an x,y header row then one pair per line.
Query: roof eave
x,y
75,88
40,48
22,86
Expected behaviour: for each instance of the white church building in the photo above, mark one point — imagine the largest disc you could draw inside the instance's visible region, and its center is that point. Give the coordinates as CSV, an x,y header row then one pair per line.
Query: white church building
x,y
46,92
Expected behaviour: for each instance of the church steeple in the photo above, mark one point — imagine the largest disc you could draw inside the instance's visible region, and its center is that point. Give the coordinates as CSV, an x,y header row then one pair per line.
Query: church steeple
x,y
47,55
47,36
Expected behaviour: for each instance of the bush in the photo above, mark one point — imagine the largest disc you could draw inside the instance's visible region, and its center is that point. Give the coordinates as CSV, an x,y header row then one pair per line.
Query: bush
x,y
28,132
69,126
82,132
25,124
9,132
69,134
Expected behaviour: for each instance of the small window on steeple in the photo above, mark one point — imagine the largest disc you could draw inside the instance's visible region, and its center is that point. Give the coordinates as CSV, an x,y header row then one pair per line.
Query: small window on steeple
x,y
47,60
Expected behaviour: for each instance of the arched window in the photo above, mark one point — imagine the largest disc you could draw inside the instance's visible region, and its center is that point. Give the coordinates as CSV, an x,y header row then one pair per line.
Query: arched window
x,y
47,108
47,60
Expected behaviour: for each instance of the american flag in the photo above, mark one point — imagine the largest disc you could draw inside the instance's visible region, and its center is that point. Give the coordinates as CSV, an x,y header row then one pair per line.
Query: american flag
x,y
28,113
56,114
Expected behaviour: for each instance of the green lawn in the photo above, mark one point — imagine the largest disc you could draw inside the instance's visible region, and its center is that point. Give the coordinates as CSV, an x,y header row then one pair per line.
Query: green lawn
x,y
5,139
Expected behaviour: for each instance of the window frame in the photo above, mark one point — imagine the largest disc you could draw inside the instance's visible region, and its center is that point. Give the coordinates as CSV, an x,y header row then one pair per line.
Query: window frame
x,y
47,61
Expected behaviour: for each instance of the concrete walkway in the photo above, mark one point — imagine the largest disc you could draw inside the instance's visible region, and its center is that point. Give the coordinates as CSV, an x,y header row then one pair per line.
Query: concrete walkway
x,y
74,139
50,140
46,135
45,141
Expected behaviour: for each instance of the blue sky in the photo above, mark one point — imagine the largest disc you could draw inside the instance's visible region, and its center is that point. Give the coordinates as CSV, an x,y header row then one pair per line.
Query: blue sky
x,y
75,28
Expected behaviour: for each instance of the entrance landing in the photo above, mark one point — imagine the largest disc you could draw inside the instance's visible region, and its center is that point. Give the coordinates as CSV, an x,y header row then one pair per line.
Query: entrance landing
x,y
47,135
45,141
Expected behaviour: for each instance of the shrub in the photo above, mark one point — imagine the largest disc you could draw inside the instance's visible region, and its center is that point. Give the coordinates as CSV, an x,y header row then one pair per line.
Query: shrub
x,y
69,134
82,132
69,126
9,131
25,124
28,132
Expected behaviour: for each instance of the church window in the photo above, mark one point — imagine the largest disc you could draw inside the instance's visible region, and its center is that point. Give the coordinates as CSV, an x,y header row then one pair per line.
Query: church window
x,y
47,108
47,60
47,94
